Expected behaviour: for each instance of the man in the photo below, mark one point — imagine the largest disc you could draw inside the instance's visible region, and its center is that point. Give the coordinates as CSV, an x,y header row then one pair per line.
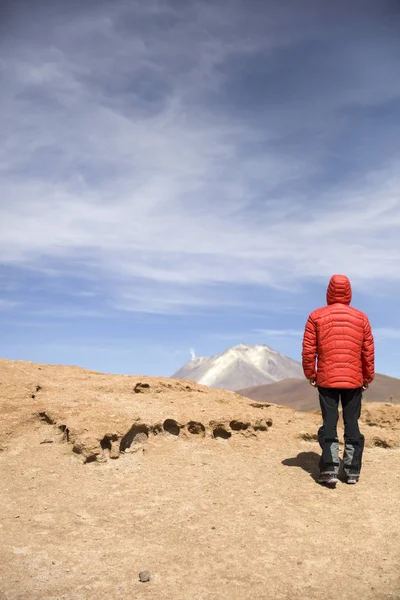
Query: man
x,y
338,357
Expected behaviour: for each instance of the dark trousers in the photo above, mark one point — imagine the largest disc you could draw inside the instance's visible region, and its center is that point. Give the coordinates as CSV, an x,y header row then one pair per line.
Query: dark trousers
x,y
327,435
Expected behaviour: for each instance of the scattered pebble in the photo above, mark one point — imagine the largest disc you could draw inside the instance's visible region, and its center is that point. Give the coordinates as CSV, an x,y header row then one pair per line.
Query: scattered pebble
x,y
144,576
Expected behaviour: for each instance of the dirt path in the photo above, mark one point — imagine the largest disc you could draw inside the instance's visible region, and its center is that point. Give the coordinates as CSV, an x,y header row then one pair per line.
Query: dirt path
x,y
210,519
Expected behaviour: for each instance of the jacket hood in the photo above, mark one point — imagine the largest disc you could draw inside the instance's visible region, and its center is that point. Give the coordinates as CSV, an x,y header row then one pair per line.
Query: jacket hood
x,y
339,290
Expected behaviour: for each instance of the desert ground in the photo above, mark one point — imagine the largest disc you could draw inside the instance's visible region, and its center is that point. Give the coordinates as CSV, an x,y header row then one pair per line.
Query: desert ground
x,y
107,476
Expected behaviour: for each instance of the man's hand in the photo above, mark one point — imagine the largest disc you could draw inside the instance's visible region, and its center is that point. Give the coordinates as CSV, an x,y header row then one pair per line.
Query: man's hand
x,y
313,382
365,386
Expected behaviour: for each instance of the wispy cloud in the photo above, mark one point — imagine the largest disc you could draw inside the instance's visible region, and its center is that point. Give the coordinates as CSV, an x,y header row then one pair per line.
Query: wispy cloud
x,y
280,333
157,150
386,333
257,336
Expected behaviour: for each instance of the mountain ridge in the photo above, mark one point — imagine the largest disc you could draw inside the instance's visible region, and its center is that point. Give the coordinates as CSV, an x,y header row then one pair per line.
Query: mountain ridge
x,y
240,366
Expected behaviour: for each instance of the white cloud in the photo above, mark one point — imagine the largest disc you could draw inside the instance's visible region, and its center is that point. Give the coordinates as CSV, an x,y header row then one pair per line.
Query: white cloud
x,y
280,333
256,336
386,333
117,165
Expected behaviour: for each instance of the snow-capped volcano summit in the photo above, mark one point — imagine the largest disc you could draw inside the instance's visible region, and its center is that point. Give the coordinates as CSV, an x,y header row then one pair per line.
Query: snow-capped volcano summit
x,y
241,367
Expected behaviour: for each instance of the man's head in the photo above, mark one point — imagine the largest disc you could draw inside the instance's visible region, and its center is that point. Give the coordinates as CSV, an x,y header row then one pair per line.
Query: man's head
x,y
339,290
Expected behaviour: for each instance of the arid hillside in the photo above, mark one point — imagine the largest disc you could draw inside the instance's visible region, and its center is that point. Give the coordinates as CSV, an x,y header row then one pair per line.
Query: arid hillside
x,y
105,477
298,394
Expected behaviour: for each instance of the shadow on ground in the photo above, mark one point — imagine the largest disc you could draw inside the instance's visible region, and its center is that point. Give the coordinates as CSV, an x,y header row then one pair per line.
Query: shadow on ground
x,y
308,461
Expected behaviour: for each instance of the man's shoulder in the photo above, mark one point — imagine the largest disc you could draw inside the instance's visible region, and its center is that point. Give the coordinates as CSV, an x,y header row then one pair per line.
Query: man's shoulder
x,y
319,312
324,311
360,315
357,312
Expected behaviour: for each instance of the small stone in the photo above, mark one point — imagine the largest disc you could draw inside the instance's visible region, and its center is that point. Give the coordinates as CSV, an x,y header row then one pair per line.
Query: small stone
x,y
134,448
47,441
100,458
144,576
115,451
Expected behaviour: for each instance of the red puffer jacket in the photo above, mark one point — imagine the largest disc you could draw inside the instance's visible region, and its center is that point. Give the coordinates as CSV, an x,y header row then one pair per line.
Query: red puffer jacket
x,y
339,337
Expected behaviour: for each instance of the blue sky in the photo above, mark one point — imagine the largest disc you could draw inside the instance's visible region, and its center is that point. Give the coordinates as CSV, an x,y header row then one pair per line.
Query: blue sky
x,y
179,175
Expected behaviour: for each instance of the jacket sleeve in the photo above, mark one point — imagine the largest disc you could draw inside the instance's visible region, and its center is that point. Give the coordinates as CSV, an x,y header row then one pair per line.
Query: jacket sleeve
x,y
309,354
368,353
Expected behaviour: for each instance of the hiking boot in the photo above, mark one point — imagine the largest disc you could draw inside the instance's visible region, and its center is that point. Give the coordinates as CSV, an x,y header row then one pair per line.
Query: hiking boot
x,y
352,479
328,478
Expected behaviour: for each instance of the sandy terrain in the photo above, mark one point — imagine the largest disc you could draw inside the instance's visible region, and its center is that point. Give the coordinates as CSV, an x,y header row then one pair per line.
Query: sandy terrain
x,y
237,516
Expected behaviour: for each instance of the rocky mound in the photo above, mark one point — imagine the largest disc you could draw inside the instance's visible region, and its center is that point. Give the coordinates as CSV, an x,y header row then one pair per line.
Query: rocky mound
x,y
102,416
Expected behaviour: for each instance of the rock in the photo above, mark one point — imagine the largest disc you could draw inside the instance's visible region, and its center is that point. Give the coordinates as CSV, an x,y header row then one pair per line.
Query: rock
x,y
100,458
134,448
140,438
47,441
309,437
381,442
114,453
144,576
261,425
141,388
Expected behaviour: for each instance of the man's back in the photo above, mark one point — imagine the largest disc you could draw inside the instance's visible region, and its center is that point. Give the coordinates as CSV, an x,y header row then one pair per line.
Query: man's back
x,y
338,357
340,338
